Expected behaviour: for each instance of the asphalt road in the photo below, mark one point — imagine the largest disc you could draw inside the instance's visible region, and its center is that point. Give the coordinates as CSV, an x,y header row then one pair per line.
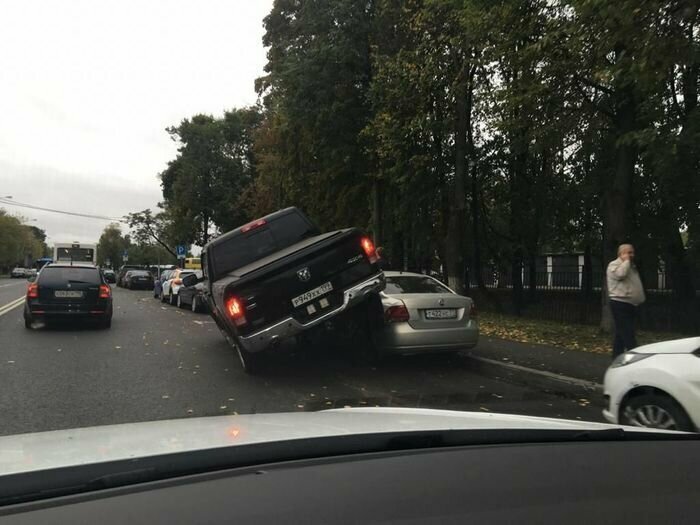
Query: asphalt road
x,y
159,362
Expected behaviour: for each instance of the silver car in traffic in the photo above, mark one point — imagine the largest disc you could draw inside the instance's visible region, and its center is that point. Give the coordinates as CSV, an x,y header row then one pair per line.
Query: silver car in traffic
x,y
423,315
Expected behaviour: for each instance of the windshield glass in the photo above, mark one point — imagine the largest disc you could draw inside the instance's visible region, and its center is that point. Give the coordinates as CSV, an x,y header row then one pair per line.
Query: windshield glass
x,y
485,207
410,284
60,276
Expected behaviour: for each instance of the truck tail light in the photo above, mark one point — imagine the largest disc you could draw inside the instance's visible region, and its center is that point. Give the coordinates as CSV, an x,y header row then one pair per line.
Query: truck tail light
x,y
105,291
33,291
370,251
472,311
236,311
252,225
397,314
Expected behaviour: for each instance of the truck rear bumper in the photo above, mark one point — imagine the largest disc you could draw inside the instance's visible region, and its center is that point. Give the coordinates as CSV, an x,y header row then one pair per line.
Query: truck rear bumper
x,y
289,326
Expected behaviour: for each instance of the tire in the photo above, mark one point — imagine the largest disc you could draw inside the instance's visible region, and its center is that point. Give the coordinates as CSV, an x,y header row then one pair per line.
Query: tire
x,y
28,323
107,323
655,411
194,306
252,363
180,304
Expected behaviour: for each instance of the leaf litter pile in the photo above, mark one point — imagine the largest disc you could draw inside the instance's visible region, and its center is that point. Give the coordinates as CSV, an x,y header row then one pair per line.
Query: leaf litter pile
x,y
586,338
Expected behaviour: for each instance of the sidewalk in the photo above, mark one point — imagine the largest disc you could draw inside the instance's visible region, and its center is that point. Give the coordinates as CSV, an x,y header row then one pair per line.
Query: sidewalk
x,y
560,370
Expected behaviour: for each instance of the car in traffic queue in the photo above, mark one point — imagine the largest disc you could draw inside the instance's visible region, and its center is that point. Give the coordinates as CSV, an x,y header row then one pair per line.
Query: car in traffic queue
x,y
172,285
138,280
158,282
656,386
110,275
66,291
18,273
193,296
423,315
122,272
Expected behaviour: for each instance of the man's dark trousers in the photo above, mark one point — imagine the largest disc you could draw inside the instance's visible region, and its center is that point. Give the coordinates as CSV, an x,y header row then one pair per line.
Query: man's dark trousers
x,y
624,316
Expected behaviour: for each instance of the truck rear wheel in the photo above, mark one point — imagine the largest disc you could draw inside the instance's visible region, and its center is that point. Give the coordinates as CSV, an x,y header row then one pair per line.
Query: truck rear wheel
x,y
251,362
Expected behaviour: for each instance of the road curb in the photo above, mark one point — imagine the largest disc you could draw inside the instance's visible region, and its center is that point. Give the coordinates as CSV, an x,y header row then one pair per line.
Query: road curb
x,y
540,379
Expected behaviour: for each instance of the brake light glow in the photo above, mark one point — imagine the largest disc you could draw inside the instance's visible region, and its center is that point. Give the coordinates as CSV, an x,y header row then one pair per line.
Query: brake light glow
x,y
105,291
33,291
472,311
397,314
252,225
236,311
370,251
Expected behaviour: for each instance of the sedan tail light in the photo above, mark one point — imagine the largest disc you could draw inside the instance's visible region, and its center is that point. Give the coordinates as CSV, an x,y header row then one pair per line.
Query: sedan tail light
x,y
33,291
397,314
236,311
105,291
369,249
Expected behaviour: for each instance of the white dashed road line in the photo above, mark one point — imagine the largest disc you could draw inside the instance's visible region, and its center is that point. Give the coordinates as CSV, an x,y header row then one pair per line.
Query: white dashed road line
x,y
11,305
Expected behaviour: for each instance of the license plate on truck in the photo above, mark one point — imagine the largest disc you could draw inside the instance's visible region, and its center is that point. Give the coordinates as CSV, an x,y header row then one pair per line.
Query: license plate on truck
x,y
312,294
443,313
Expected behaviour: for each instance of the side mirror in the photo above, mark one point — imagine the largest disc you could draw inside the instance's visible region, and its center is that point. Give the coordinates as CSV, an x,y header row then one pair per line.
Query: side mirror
x,y
190,279
31,278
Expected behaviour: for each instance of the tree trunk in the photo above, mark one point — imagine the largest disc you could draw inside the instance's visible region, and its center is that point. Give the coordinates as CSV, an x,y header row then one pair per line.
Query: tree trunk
x,y
455,237
618,193
377,212
477,270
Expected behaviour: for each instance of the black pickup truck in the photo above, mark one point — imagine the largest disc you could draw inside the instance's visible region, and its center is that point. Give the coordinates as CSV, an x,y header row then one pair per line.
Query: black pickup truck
x,y
277,277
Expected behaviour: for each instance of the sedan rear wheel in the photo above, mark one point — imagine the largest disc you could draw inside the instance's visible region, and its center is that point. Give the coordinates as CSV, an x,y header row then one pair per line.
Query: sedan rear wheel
x,y
655,411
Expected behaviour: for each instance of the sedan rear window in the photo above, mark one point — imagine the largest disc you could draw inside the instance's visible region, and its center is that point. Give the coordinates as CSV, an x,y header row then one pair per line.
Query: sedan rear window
x,y
137,273
413,284
60,276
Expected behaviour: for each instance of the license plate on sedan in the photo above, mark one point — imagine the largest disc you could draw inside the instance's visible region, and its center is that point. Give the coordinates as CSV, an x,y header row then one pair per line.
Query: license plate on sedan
x,y
67,293
312,294
442,313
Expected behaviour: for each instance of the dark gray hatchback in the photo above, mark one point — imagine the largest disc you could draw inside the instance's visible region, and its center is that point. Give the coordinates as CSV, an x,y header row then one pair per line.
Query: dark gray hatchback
x,y
63,291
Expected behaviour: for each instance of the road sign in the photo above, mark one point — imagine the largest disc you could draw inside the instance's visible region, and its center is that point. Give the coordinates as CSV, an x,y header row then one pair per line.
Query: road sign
x,y
181,251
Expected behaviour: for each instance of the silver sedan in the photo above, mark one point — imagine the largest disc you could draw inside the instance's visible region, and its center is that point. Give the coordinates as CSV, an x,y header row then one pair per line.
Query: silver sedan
x,y
423,315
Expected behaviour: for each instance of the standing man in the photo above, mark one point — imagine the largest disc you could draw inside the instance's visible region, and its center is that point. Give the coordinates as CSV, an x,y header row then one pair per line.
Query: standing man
x,y
626,293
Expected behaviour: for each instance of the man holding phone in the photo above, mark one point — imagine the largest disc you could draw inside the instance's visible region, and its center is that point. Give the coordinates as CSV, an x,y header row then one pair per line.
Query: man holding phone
x,y
626,293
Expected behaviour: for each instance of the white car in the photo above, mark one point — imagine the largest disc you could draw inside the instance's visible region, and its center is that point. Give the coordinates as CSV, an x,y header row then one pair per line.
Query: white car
x,y
18,273
172,286
656,386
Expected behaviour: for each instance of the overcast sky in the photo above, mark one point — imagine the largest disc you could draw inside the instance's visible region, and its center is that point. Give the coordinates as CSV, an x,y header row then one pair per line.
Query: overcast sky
x,y
88,87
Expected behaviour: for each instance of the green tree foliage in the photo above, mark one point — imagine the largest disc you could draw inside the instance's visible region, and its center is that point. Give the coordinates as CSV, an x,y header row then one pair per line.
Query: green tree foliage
x,y
111,246
465,134
140,246
203,186
20,244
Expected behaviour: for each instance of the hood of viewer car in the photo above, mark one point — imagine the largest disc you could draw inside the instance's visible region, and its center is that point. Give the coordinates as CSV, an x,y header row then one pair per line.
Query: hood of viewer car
x,y
61,448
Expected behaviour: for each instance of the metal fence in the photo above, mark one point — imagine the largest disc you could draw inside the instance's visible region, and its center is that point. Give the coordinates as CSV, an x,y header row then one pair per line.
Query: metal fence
x,y
573,279
574,296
